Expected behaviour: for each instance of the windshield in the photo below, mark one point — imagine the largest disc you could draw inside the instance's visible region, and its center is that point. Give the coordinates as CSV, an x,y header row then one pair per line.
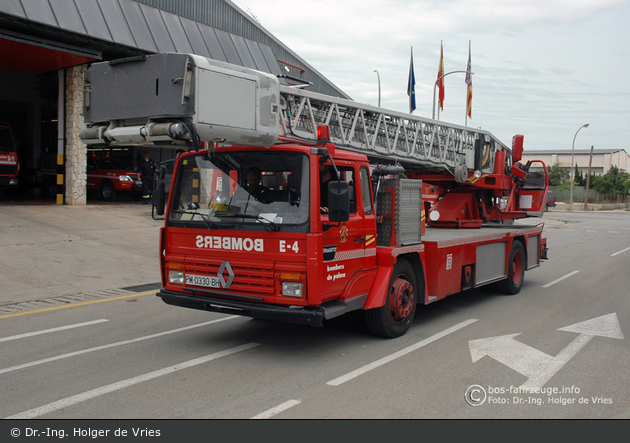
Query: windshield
x,y
243,190
110,164
6,140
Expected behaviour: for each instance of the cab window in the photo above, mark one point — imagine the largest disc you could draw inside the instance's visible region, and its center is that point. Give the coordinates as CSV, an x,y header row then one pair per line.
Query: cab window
x,y
366,190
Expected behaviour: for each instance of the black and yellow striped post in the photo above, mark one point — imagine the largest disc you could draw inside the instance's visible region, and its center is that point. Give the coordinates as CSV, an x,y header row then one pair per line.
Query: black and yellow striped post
x,y
60,179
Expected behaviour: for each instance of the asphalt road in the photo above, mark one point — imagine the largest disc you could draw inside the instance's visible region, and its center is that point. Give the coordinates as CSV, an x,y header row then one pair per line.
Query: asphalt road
x,y
559,349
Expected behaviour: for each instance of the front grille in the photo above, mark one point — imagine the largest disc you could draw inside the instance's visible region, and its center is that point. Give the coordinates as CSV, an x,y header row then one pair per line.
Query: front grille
x,y
8,169
256,277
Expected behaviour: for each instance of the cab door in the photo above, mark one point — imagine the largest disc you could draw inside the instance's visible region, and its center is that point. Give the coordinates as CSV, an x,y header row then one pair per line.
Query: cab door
x,y
344,243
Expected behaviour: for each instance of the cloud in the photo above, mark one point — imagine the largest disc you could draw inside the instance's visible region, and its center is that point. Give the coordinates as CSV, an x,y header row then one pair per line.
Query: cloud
x,y
542,68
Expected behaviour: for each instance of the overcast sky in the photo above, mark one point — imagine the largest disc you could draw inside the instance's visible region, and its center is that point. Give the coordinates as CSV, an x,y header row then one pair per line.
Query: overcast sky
x,y
542,68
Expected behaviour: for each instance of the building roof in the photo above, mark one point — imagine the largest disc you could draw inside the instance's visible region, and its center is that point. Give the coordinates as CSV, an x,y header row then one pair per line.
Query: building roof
x,y
568,151
69,32
129,24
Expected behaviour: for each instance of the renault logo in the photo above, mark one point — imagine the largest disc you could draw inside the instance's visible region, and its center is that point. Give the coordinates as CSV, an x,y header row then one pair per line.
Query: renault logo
x,y
226,266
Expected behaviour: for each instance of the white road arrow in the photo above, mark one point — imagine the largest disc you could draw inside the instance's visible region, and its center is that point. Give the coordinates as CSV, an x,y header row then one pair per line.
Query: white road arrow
x,y
537,366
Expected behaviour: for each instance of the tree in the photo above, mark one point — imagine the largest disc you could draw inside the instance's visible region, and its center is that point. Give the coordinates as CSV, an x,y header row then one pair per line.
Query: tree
x,y
557,175
612,182
578,179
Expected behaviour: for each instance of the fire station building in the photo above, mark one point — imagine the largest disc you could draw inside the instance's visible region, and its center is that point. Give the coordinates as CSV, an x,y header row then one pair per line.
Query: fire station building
x,y
47,45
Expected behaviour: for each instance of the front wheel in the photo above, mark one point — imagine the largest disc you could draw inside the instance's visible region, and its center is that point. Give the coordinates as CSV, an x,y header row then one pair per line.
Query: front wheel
x,y
394,318
107,191
516,270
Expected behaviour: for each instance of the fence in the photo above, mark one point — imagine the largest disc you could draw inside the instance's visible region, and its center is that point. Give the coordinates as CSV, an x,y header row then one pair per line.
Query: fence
x,y
594,197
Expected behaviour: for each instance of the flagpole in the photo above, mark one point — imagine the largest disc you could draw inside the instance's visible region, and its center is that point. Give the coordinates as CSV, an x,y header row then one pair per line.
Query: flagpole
x,y
468,81
435,86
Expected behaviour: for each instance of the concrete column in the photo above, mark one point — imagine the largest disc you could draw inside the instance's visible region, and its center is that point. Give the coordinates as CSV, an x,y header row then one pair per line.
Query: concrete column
x,y
76,151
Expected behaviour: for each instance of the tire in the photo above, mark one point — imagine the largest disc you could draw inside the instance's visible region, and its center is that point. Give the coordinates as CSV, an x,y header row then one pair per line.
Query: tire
x,y
394,318
107,191
516,270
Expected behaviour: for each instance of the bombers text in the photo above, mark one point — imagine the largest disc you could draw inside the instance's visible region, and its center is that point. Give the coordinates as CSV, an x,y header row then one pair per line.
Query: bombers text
x,y
230,243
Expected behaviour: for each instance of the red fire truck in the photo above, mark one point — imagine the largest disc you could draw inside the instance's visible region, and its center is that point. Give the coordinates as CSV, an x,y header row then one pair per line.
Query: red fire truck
x,y
299,207
9,164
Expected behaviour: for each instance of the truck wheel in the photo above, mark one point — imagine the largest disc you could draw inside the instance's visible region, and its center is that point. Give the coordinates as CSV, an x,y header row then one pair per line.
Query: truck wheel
x,y
516,270
395,317
107,191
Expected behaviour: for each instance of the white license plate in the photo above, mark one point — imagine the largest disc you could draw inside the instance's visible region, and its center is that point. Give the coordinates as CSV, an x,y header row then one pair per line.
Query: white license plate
x,y
203,280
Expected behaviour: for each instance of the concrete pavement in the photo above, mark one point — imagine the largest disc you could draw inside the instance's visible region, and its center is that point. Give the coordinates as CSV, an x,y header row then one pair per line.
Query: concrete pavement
x,y
59,254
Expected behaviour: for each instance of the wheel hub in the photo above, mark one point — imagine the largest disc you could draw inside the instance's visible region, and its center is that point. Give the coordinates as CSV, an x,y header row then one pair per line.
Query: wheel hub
x,y
401,300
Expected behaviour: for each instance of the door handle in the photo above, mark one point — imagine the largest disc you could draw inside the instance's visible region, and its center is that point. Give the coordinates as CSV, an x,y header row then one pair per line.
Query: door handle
x,y
357,240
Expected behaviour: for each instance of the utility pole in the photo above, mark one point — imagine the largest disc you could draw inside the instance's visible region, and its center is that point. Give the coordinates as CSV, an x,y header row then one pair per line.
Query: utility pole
x,y
588,178
573,165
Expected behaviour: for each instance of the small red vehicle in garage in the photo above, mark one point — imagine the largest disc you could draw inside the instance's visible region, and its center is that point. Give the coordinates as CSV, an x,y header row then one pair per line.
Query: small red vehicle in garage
x,y
109,176
9,164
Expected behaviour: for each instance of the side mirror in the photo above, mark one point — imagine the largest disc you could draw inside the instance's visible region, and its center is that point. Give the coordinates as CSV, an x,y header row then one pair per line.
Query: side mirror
x,y
338,201
161,172
159,198
517,148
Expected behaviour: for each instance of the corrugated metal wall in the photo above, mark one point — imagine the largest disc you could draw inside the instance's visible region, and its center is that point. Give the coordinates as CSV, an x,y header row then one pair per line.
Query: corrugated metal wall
x,y
223,15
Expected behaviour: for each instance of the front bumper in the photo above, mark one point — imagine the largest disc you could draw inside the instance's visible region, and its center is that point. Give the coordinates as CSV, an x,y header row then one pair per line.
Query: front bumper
x,y
8,182
313,316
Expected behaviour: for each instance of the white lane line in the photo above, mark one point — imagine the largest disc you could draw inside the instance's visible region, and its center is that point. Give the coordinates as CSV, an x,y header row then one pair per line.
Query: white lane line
x,y
278,409
88,395
560,279
46,331
112,345
619,252
401,353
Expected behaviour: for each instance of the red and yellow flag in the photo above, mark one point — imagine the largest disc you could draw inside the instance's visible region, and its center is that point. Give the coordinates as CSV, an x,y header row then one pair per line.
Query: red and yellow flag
x,y
469,83
440,78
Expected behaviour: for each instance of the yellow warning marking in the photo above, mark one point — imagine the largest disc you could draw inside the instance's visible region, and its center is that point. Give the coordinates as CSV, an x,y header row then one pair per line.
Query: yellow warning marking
x,y
72,305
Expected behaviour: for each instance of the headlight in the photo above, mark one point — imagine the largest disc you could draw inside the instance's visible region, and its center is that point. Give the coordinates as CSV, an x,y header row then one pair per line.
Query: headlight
x,y
292,289
176,277
125,178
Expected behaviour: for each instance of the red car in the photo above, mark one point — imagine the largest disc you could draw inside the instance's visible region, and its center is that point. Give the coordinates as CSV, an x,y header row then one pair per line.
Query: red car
x,y
551,200
109,176
9,165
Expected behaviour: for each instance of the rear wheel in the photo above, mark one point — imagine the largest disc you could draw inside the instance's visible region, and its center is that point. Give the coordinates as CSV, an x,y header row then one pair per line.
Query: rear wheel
x,y
516,270
394,318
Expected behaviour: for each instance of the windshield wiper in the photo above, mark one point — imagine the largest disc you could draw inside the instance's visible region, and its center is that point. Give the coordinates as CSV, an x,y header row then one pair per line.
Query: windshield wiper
x,y
211,225
266,223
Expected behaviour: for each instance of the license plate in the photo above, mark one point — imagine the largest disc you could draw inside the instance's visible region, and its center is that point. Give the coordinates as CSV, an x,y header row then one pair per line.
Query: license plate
x,y
203,280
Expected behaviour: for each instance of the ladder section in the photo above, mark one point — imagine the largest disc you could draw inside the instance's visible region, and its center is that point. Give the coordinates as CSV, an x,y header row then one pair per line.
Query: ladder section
x,y
428,144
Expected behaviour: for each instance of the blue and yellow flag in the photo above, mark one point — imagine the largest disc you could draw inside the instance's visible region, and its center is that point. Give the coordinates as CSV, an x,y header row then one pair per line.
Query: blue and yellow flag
x,y
411,86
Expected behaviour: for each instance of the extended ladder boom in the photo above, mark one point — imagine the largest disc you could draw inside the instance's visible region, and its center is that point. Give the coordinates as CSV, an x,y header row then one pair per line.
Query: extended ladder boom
x,y
177,97
389,135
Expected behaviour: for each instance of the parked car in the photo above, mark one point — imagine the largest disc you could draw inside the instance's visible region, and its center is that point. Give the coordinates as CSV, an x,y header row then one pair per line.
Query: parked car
x,y
9,164
551,200
108,177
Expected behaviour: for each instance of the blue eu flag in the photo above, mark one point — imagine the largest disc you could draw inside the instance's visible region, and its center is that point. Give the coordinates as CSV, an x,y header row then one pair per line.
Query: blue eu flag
x,y
411,86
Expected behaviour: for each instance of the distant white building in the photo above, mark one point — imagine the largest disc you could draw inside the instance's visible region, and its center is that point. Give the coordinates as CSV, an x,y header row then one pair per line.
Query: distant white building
x,y
602,161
